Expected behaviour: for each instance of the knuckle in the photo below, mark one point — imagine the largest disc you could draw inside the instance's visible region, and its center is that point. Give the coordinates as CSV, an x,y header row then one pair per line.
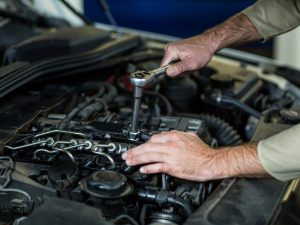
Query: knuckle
x,y
130,153
154,138
137,159
161,168
163,157
176,135
179,68
133,161
147,157
144,147
170,45
172,135
144,157
170,170
147,149
151,139
192,134
167,47
173,146
165,168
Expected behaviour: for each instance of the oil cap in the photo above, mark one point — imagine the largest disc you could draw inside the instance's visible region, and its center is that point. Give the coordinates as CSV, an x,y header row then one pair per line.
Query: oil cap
x,y
106,184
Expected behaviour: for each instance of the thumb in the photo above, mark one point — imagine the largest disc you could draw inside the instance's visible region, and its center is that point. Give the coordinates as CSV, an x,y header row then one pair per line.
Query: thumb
x,y
169,57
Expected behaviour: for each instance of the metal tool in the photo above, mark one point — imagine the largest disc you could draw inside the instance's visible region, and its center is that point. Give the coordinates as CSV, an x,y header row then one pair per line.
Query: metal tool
x,y
139,80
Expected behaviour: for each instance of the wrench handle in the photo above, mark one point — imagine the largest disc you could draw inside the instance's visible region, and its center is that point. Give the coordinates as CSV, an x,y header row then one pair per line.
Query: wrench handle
x,y
159,71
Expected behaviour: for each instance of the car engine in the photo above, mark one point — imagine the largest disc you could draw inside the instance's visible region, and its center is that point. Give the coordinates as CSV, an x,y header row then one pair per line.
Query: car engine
x,y
63,132
74,151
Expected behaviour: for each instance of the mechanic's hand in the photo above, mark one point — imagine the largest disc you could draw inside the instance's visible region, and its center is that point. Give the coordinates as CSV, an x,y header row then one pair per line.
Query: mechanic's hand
x,y
178,154
193,53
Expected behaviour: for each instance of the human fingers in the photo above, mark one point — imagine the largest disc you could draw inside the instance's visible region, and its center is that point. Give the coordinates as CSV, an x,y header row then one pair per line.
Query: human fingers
x,y
141,149
186,64
146,158
171,54
164,137
155,168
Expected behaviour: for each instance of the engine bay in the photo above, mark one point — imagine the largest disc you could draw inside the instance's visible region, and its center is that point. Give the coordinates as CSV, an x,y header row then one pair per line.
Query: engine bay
x,y
78,156
63,133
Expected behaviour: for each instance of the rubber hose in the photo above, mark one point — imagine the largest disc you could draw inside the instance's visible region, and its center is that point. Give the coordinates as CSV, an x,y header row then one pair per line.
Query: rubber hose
x,y
85,113
100,105
165,197
225,133
232,101
111,93
81,106
73,113
93,86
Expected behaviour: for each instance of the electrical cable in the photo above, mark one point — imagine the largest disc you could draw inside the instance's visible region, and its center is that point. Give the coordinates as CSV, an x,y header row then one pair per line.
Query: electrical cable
x,y
143,214
128,218
74,112
169,108
16,191
100,103
81,107
8,173
19,220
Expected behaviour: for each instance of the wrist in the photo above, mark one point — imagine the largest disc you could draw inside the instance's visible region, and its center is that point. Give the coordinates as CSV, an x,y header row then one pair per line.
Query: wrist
x,y
209,39
214,166
236,30
214,39
221,164
239,161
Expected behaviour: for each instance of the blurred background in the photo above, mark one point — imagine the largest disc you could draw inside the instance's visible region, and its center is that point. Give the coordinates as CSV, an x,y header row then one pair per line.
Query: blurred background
x,y
178,18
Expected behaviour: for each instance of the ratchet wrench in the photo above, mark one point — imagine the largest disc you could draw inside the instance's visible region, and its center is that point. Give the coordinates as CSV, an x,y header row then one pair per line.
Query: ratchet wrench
x,y
139,80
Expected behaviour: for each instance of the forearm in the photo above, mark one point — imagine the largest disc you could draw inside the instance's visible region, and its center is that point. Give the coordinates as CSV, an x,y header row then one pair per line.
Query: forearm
x,y
239,161
234,31
186,156
195,52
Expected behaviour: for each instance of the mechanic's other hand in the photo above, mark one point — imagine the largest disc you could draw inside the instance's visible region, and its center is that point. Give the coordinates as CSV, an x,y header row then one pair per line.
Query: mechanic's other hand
x,y
179,154
192,53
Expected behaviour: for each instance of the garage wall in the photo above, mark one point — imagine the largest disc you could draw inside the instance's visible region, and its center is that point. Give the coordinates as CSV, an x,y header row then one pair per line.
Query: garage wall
x,y
180,18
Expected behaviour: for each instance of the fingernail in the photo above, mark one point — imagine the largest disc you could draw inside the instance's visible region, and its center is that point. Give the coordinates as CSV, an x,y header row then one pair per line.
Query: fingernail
x,y
142,170
128,162
124,156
